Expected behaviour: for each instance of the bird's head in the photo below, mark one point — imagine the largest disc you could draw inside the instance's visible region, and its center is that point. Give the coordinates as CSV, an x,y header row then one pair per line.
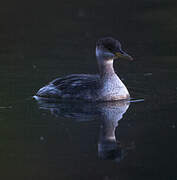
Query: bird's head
x,y
109,48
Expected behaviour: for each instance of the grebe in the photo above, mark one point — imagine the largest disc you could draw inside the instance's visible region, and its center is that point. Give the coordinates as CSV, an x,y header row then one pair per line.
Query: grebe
x,y
106,86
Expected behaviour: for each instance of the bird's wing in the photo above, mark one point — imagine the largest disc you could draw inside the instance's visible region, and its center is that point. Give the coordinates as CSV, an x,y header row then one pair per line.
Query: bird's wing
x,y
77,85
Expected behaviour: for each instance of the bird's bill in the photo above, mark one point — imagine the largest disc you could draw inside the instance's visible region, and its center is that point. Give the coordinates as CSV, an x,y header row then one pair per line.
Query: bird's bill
x,y
123,55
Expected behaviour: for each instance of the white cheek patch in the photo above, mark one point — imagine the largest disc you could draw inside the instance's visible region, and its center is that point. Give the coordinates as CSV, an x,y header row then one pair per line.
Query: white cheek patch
x,y
98,52
109,54
102,53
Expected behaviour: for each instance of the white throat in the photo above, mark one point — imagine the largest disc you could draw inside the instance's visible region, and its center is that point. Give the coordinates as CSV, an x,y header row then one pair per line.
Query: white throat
x,y
105,62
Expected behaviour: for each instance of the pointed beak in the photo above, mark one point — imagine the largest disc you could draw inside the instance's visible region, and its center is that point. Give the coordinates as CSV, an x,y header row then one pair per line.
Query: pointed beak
x,y
123,55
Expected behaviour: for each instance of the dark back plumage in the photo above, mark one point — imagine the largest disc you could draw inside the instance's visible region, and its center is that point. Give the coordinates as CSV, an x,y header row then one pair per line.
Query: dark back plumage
x,y
77,85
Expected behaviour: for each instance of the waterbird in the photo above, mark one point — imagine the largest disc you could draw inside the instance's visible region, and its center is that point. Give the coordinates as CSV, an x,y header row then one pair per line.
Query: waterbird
x,y
104,86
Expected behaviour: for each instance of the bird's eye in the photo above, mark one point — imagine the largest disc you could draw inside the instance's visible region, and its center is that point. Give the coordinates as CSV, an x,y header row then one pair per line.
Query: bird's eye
x,y
108,48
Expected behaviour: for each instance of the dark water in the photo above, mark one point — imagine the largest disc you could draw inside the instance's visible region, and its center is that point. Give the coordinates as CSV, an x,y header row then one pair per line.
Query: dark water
x,y
40,41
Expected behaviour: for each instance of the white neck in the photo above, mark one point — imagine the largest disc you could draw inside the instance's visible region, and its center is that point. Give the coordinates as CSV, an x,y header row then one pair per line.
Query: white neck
x,y
111,86
105,65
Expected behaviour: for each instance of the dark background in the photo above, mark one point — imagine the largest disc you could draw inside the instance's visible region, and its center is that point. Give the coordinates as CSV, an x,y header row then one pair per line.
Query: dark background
x,y
61,35
42,40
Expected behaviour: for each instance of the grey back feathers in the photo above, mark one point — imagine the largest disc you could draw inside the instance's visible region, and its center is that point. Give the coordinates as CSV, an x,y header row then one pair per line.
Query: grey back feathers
x,y
74,86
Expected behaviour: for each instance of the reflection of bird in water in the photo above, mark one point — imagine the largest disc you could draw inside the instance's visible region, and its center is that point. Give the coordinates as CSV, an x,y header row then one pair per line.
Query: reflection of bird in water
x,y
108,112
103,87
108,147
